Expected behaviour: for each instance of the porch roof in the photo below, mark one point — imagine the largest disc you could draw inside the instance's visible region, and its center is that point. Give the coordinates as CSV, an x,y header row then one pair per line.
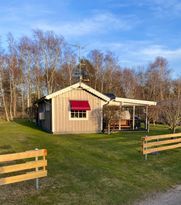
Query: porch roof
x,y
131,102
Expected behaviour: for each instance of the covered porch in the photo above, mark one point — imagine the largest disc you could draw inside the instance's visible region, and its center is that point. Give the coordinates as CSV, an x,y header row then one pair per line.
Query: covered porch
x,y
133,114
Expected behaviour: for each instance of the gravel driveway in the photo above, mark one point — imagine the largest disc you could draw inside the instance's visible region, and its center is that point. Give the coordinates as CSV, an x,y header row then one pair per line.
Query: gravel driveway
x,y
171,197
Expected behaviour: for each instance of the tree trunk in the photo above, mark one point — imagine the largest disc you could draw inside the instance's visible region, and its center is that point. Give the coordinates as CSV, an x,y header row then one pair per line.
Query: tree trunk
x,y
148,130
14,100
154,123
3,98
5,108
22,104
11,99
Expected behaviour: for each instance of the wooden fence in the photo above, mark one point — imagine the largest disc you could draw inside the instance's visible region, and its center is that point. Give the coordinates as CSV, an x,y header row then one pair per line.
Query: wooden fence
x,y
153,144
35,164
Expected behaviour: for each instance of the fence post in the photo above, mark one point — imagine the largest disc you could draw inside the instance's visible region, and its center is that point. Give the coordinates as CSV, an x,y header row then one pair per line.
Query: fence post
x,y
37,179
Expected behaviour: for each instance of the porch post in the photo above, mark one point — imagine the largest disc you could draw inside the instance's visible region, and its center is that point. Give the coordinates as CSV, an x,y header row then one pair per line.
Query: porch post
x,y
101,117
119,124
133,116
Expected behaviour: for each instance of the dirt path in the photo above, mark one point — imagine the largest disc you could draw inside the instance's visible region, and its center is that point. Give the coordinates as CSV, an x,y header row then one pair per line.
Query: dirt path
x,y
171,197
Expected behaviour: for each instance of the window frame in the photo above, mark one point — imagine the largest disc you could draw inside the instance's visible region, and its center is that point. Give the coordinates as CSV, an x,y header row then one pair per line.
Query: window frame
x,y
78,112
47,107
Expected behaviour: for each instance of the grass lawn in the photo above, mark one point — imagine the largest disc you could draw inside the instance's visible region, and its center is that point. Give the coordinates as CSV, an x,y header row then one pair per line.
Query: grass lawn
x,y
89,169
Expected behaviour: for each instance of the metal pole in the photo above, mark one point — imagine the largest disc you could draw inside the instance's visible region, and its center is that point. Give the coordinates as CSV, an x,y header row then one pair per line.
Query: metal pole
x,y
146,120
37,179
80,64
79,59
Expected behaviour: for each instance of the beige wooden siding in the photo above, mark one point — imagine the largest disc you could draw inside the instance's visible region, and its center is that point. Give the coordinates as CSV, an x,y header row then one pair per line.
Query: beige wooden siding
x,y
62,121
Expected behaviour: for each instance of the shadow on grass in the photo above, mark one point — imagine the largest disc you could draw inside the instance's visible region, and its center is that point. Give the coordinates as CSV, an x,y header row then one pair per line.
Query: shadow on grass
x,y
28,123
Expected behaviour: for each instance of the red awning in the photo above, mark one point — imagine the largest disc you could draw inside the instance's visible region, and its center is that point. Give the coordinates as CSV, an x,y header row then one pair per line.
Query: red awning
x,y
79,105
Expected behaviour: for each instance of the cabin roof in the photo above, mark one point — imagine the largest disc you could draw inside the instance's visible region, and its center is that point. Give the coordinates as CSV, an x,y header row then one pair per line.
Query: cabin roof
x,y
110,97
79,85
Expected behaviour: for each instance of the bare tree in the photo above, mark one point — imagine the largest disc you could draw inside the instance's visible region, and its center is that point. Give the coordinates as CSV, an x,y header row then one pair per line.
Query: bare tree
x,y
69,65
27,61
177,88
14,74
35,66
2,90
37,71
129,82
171,113
153,114
157,80
111,113
96,58
50,46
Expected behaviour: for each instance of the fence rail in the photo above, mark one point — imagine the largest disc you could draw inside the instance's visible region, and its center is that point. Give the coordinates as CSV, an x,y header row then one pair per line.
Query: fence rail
x,y
36,166
151,144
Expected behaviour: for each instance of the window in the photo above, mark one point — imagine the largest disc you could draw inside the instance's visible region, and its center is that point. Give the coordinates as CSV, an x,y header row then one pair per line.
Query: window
x,y
79,109
78,114
47,107
41,116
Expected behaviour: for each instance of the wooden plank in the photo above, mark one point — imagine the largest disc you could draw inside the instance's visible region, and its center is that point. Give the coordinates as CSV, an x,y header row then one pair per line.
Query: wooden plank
x,y
155,137
23,177
125,126
163,142
158,149
23,155
23,166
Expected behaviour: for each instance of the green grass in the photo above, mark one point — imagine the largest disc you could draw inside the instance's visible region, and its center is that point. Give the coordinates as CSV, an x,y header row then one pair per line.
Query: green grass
x,y
89,169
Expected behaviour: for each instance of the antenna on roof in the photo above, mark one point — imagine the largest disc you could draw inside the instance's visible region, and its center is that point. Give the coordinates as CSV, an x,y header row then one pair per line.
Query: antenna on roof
x,y
79,59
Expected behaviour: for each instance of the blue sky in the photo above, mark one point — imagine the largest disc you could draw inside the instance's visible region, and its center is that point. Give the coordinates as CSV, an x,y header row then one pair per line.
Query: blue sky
x,y
135,30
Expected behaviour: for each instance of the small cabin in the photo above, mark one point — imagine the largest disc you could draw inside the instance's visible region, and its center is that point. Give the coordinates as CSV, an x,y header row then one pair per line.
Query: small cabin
x,y
79,109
